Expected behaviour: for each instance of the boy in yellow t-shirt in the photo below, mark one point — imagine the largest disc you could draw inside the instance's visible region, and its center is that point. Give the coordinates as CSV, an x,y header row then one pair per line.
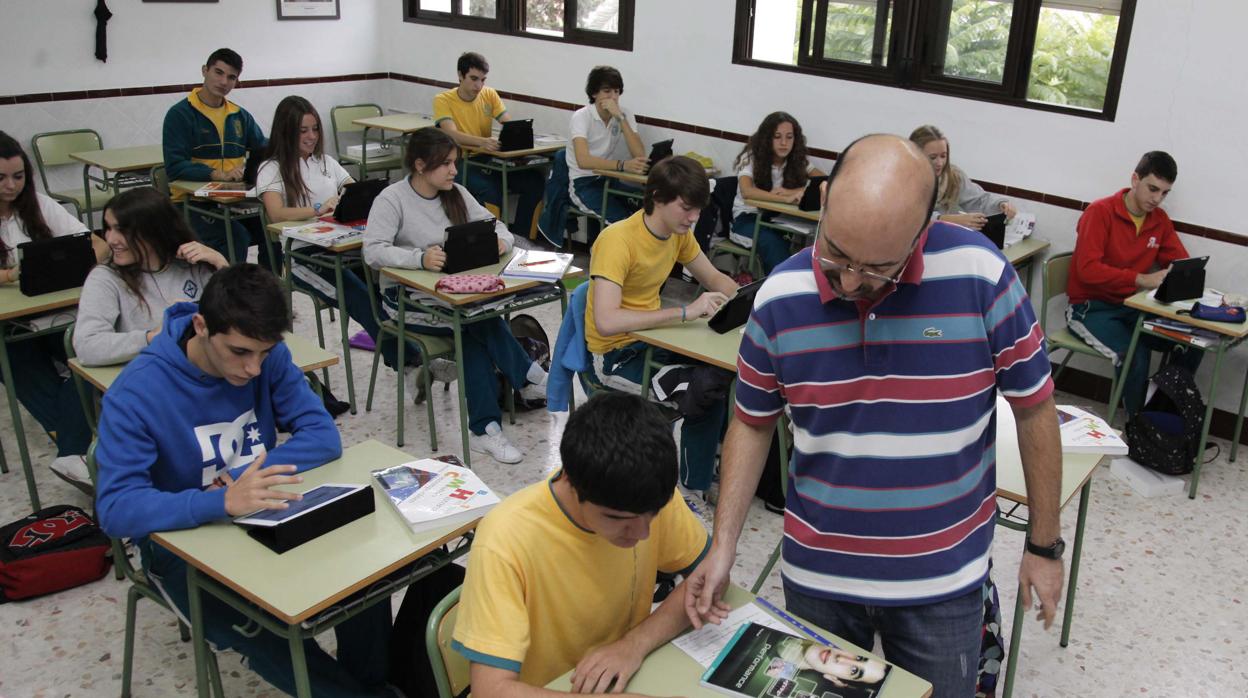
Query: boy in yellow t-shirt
x,y
628,265
468,113
562,573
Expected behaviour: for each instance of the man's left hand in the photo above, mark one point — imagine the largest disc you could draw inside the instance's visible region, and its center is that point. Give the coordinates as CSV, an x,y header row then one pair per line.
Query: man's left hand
x,y
607,668
1046,576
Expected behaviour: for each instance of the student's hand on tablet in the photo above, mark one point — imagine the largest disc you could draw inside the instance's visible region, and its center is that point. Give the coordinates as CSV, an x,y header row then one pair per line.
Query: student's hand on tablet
x,y
706,304
328,206
434,258
502,247
1008,209
637,165
1152,279
974,221
492,144
607,668
198,252
253,490
10,275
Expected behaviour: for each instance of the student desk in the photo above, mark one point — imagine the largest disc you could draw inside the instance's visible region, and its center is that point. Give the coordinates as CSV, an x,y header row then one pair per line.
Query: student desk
x,y
1229,336
1077,469
694,339
336,259
458,310
14,308
1023,255
222,208
631,186
303,353
507,161
401,123
790,210
669,671
297,594
113,162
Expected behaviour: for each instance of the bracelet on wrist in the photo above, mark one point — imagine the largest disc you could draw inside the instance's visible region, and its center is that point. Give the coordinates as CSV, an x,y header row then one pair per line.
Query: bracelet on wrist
x,y
683,316
619,165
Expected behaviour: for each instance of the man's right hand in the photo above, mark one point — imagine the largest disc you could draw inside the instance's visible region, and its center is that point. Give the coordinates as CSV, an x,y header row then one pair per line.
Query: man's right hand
x,y
706,304
254,489
705,587
1151,280
637,165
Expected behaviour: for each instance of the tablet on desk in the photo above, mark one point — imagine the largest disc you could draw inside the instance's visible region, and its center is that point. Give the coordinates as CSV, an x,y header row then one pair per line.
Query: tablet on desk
x,y
313,499
736,311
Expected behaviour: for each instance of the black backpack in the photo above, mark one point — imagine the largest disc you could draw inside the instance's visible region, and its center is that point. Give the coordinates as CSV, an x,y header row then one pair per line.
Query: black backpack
x,y
536,343
1165,434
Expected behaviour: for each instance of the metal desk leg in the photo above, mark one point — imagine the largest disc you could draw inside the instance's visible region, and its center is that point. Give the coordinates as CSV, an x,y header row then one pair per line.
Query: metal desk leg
x,y
1204,429
462,388
343,322
198,644
86,194
645,373
749,264
15,413
606,197
1084,493
1239,417
229,238
1116,394
1016,636
502,205
364,154
299,662
402,339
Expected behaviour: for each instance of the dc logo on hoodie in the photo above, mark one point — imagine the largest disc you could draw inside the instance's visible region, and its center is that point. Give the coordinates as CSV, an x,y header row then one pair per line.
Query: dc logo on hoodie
x,y
229,443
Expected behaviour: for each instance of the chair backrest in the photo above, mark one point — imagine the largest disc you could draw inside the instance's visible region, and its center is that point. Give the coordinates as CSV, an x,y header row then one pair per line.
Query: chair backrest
x,y
160,179
450,668
342,118
120,559
1053,283
53,148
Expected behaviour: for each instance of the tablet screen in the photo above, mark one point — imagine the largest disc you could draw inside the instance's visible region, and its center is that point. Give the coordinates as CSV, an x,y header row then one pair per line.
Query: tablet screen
x,y
312,499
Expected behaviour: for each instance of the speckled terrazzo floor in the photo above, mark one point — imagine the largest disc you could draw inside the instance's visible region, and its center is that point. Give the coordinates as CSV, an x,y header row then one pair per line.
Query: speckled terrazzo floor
x,y
1161,606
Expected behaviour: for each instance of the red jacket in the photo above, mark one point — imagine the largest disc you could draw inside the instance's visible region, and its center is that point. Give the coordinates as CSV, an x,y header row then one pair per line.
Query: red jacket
x,y
1109,253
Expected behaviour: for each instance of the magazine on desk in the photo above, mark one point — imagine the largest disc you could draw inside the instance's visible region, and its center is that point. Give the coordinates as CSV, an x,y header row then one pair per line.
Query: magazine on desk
x,y
1084,432
763,662
433,494
324,234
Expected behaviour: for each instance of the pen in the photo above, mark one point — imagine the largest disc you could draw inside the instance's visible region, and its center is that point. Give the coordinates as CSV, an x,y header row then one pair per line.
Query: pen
x,y
535,264
794,622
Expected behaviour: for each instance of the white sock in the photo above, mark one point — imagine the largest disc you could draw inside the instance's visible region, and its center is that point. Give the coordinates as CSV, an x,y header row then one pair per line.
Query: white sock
x,y
536,375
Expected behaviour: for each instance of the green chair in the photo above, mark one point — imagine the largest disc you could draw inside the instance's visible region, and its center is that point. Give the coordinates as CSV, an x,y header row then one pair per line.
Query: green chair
x,y
52,149
86,393
160,180
1056,271
450,668
142,587
342,118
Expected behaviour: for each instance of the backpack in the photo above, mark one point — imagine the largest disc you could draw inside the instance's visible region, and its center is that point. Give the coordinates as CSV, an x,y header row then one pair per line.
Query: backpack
x,y
536,343
1165,434
53,549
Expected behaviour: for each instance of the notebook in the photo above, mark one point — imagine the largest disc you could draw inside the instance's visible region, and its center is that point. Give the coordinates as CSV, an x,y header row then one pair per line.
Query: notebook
x,y
470,245
47,266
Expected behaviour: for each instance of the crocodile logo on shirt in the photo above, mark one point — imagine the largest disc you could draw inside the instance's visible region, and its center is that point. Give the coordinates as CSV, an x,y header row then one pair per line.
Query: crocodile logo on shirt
x,y
933,333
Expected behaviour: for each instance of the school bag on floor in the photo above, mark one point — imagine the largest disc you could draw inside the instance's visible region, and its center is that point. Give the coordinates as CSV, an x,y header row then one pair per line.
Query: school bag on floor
x,y
53,549
1165,434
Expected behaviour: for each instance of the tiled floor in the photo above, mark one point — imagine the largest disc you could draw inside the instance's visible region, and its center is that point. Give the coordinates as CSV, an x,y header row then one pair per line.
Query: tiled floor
x,y
1161,607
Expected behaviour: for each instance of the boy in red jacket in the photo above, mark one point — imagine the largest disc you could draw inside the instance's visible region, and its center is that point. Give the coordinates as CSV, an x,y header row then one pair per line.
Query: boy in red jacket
x,y
1125,244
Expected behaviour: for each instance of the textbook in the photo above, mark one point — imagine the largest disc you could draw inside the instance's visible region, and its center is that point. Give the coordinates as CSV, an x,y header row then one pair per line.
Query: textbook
x,y
222,190
434,494
1084,432
764,662
537,264
324,233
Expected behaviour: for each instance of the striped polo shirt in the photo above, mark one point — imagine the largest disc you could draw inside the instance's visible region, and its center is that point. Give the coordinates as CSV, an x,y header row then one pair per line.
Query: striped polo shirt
x,y
892,489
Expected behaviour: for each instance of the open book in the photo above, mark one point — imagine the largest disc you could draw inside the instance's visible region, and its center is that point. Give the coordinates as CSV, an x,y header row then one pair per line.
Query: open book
x,y
324,234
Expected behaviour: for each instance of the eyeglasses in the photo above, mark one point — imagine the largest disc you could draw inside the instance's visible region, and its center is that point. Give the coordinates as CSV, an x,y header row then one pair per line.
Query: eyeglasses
x,y
835,267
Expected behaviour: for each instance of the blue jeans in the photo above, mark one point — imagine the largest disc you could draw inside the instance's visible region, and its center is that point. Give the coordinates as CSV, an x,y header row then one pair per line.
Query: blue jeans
x,y
939,642
772,246
530,185
588,192
699,436
1107,327
363,641
50,399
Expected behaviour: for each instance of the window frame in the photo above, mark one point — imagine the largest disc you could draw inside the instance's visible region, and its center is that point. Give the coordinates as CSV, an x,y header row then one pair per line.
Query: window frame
x,y
914,35
509,20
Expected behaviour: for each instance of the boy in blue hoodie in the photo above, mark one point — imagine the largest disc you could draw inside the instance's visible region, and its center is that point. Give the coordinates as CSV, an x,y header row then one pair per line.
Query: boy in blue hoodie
x,y
188,435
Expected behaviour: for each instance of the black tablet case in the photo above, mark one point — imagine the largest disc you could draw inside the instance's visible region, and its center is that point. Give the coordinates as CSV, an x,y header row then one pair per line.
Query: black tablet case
x,y
315,523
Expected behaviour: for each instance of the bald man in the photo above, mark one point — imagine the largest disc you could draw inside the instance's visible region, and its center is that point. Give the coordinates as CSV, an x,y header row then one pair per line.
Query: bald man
x,y
886,343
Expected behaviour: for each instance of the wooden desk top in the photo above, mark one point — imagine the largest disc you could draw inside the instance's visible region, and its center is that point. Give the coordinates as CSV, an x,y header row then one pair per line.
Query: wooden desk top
x,y
14,305
786,209
425,281
696,340
138,157
303,352
512,154
403,123
304,581
1142,302
669,671
1077,468
1025,249
275,233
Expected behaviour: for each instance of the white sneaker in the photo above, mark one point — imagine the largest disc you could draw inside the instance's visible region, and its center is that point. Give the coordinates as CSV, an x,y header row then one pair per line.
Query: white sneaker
x,y
73,469
443,370
532,392
495,443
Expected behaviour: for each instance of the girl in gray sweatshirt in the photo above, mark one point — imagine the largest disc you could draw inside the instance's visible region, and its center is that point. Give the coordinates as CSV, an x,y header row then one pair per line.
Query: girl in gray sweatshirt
x,y
156,262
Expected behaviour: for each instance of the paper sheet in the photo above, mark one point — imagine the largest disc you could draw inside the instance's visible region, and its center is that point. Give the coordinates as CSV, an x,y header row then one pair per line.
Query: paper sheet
x,y
705,645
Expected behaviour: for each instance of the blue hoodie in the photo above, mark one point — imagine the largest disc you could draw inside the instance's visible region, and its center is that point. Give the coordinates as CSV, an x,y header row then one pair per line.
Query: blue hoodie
x,y
167,429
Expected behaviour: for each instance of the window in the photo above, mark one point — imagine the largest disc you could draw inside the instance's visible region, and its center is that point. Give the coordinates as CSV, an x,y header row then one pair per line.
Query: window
x,y
1061,55
604,23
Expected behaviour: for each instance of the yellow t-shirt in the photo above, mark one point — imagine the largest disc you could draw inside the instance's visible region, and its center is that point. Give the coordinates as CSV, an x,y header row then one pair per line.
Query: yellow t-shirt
x,y
628,254
474,118
541,591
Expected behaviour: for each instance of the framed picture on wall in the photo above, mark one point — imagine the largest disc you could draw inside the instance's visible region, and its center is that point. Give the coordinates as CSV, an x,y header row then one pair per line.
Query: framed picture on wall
x,y
307,9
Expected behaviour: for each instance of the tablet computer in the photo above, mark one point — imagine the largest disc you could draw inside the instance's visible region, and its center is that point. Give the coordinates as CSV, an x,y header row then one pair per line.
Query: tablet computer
x,y
660,150
994,229
810,197
736,311
313,499
54,264
470,246
1185,280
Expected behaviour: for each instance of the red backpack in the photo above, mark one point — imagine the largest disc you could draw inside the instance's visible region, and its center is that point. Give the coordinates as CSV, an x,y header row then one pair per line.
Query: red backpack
x,y
53,549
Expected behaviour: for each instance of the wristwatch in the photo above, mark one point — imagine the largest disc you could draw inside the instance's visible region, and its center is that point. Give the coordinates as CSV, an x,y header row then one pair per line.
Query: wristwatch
x,y
1051,552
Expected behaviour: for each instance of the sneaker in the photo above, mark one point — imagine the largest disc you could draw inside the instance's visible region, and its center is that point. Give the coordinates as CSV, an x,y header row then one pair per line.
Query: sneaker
x,y
495,443
333,405
73,469
443,370
533,392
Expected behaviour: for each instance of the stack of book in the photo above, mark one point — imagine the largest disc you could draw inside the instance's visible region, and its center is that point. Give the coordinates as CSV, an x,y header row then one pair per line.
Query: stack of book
x,y
1181,331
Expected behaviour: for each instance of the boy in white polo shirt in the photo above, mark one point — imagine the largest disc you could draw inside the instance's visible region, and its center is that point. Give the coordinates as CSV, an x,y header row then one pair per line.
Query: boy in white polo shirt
x,y
604,137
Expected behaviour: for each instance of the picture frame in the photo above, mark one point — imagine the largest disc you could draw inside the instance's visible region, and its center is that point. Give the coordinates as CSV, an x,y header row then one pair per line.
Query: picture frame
x,y
308,9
